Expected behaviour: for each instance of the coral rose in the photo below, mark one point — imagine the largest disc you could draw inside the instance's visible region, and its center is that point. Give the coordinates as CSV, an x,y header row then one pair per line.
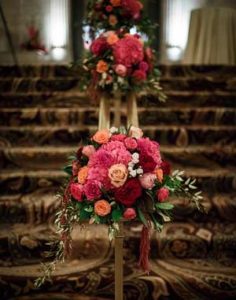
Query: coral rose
x,y
112,38
162,194
112,20
102,66
129,192
139,75
83,174
159,174
121,70
92,189
99,46
118,174
102,208
115,3
128,51
76,191
88,150
147,180
129,213
101,136
130,143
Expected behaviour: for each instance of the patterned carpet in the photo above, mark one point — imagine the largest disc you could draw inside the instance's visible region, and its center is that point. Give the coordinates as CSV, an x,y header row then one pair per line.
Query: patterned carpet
x,y
43,117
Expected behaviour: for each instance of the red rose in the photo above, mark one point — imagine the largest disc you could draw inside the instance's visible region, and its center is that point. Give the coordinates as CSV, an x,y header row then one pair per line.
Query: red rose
x,y
166,168
129,192
162,194
139,75
129,213
148,163
118,137
128,51
76,191
98,46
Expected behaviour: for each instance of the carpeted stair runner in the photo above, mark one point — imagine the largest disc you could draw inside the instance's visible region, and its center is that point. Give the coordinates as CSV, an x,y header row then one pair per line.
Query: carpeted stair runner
x,y
43,117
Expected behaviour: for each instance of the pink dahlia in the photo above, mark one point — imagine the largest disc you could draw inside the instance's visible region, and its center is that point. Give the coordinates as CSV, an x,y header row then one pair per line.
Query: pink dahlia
x,y
128,51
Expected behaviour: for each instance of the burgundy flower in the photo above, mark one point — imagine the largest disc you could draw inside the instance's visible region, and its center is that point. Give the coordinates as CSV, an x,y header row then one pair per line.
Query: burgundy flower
x,y
143,66
132,8
166,167
129,192
139,75
99,46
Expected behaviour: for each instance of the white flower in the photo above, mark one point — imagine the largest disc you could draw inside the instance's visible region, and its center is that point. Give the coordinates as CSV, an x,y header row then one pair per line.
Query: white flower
x,y
135,132
104,75
135,155
133,173
139,171
113,129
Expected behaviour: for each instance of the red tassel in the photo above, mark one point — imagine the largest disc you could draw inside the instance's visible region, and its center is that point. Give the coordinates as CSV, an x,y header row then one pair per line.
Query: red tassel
x,y
145,249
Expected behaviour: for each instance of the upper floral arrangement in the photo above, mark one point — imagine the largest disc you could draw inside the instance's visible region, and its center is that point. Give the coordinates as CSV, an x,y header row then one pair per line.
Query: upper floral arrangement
x,y
119,61
117,14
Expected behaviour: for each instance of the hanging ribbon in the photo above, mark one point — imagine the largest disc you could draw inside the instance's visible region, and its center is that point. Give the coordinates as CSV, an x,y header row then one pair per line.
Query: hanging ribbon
x,y
132,110
145,248
104,113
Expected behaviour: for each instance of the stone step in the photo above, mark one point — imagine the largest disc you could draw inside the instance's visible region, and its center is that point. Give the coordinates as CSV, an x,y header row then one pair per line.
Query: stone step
x,y
77,99
48,71
24,243
40,206
34,158
181,136
89,116
37,84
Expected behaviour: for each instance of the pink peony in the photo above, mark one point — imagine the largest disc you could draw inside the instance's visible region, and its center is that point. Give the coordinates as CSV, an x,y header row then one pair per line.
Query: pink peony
x,y
99,46
100,174
147,180
118,152
139,75
121,70
143,66
130,143
88,150
128,51
129,213
162,194
76,191
92,189
101,158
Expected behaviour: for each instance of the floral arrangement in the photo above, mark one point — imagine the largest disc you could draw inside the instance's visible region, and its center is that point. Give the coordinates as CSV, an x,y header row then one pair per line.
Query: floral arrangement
x,y
33,42
117,14
120,62
120,176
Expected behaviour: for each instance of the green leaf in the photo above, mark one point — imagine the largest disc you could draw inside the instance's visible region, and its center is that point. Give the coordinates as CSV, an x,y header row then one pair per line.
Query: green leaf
x,y
164,206
68,169
84,215
141,216
157,225
116,214
97,219
89,208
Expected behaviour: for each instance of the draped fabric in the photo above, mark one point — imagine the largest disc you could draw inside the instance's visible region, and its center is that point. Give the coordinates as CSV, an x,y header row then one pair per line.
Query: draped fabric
x,y
212,37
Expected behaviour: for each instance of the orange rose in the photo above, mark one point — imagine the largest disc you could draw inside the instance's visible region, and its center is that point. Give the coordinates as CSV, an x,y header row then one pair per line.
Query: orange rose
x,y
102,208
83,174
118,174
101,66
115,3
101,136
112,20
159,174
112,38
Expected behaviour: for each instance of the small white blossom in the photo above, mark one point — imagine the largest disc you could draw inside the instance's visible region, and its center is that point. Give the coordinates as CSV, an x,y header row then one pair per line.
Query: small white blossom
x,y
133,173
139,171
135,155
104,75
113,129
